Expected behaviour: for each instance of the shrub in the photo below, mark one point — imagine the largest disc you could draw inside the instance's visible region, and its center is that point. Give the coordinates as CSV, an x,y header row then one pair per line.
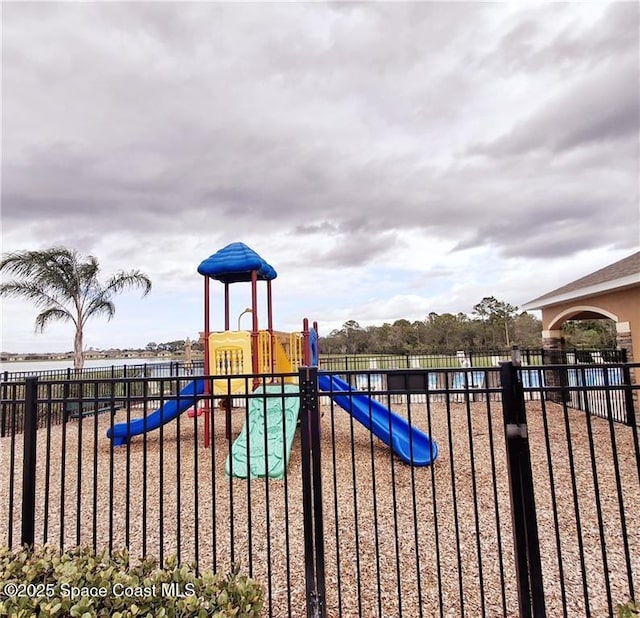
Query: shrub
x,y
85,584
628,610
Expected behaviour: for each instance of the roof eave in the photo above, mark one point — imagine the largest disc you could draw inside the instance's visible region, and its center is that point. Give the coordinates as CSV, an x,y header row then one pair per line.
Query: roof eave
x,y
591,290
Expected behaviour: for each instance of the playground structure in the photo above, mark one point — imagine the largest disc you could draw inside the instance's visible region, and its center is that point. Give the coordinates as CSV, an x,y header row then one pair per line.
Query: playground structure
x,y
238,359
236,353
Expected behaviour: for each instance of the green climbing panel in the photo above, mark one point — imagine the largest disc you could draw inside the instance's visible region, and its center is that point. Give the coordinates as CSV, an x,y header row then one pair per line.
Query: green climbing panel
x,y
271,427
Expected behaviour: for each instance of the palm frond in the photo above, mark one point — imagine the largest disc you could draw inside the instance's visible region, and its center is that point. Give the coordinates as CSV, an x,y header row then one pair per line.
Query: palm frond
x,y
99,306
52,269
87,277
31,291
52,315
28,263
125,280
88,271
23,263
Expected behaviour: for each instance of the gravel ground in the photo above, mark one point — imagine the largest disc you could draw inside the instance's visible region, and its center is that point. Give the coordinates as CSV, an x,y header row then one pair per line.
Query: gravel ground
x,y
398,540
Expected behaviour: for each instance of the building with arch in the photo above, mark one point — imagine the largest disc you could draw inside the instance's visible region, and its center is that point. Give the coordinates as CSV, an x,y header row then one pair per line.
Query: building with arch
x,y
611,292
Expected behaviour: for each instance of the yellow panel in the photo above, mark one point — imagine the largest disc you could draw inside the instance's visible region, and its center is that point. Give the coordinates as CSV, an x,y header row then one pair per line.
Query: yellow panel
x,y
296,345
283,364
264,352
230,354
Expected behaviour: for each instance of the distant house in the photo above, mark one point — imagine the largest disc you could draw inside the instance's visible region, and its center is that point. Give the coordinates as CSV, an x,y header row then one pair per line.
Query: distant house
x,y
611,292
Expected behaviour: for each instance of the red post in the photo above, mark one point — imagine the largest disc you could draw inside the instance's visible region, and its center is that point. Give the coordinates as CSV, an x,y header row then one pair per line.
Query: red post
x,y
270,328
254,327
226,402
305,338
226,306
207,366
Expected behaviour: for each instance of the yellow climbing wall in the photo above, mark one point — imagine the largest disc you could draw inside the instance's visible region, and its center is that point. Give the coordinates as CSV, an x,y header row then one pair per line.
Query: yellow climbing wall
x,y
229,355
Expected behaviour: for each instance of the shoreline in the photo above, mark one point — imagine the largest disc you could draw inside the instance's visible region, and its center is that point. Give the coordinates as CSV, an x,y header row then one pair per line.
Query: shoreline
x,y
52,364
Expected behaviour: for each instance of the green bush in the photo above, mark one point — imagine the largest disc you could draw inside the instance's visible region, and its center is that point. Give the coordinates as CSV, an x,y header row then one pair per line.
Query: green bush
x,y
628,610
82,583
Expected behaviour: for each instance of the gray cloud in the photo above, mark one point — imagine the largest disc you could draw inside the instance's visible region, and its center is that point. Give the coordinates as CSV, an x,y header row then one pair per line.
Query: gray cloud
x,y
345,123
604,106
360,249
528,47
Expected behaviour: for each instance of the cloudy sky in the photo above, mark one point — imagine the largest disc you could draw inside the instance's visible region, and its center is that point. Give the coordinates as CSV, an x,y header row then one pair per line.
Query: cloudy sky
x,y
388,159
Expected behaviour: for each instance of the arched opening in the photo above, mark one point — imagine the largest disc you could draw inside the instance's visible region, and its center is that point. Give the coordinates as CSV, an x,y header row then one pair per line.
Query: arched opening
x,y
587,327
581,334
581,312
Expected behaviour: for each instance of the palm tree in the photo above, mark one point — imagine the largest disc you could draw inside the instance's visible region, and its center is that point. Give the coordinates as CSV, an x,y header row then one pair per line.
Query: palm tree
x,y
66,288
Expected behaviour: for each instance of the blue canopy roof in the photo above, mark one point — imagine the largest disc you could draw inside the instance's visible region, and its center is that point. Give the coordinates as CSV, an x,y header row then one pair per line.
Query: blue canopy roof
x,y
234,263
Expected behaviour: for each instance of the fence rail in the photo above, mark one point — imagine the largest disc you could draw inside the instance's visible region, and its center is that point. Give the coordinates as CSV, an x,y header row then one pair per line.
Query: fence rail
x,y
155,370
348,529
491,358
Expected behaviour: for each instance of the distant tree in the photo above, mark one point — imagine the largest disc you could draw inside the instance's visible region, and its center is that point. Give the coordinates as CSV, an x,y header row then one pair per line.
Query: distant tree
x,y
350,339
405,336
596,334
444,331
175,346
527,330
66,288
355,337
152,346
382,339
332,343
498,316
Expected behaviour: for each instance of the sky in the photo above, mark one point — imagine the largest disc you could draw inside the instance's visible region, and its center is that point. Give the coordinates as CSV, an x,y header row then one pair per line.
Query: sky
x,y
387,159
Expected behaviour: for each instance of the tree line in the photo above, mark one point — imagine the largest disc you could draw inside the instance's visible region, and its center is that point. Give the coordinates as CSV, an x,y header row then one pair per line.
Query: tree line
x,y
176,345
493,325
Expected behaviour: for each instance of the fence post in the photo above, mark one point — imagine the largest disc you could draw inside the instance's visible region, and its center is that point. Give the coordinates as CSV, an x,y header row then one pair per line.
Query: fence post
x,y
312,493
29,461
523,508
3,407
65,397
629,396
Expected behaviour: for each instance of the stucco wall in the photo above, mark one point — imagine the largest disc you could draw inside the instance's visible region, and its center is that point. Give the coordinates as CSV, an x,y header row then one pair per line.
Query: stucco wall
x,y
623,306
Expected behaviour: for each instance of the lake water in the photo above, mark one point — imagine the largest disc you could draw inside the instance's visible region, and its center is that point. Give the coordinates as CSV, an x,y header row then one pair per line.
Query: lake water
x,y
61,365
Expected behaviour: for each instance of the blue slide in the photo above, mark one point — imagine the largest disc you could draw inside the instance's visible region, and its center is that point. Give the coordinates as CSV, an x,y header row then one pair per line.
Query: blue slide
x,y
188,396
410,444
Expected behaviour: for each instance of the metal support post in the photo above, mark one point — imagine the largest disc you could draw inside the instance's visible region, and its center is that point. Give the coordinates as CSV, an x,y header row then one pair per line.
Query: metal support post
x,y
523,508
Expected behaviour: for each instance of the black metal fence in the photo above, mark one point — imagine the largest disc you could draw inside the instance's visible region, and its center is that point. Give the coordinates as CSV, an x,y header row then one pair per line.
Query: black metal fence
x,y
72,392
469,358
531,507
577,370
